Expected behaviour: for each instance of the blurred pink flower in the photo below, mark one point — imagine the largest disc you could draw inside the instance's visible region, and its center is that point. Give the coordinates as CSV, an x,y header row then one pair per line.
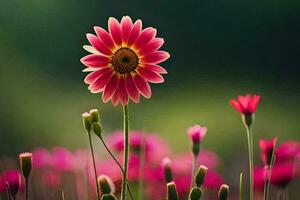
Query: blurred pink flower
x,y
282,174
197,133
267,148
153,145
245,105
41,158
51,178
123,61
259,178
81,158
62,159
14,181
287,151
2,185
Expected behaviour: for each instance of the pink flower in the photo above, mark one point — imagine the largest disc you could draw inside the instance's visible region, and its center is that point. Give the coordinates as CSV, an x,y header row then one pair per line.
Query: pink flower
x,y
41,158
282,174
62,159
246,105
287,151
123,61
13,179
259,178
267,148
2,185
152,145
197,133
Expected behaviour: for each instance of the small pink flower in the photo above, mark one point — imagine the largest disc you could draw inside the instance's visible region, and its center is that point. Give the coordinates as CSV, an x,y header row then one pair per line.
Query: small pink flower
x,y
246,105
41,158
282,174
197,133
287,151
123,61
259,178
2,185
14,181
267,148
62,159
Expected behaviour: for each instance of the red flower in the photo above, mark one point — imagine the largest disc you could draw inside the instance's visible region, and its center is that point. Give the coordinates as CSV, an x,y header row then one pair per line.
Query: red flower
x,y
123,61
282,174
14,181
246,105
287,151
267,147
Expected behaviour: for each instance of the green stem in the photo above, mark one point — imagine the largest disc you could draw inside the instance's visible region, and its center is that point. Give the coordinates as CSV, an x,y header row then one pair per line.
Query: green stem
x,y
117,162
193,171
94,164
126,151
250,154
141,167
26,189
62,194
241,186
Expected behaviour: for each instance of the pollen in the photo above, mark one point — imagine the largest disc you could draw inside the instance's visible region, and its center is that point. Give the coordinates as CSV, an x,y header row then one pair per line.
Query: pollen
x,y
124,60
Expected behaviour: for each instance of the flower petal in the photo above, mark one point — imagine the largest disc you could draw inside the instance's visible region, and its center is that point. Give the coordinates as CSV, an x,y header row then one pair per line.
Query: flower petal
x,y
237,106
104,36
110,88
254,103
152,46
135,32
122,92
146,36
115,99
98,44
150,75
156,57
115,30
131,89
90,49
99,84
155,68
245,101
95,74
95,61
126,26
142,85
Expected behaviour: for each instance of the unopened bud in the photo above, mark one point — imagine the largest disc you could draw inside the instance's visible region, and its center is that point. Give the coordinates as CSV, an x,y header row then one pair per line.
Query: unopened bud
x,y
200,176
95,116
195,194
97,128
108,197
86,118
26,164
172,191
223,192
166,164
106,185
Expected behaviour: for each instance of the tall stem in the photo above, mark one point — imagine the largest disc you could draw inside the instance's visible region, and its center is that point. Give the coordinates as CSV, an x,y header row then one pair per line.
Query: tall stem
x,y
126,151
26,189
193,170
250,154
94,164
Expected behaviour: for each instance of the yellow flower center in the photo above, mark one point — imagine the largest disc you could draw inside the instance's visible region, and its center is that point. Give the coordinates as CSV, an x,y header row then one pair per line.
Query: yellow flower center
x,y
124,60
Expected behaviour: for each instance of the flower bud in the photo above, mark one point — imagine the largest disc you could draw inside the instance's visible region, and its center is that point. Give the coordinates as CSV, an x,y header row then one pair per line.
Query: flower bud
x,y
223,192
195,194
200,175
196,134
95,116
108,197
248,119
166,164
106,185
26,164
87,123
172,191
97,128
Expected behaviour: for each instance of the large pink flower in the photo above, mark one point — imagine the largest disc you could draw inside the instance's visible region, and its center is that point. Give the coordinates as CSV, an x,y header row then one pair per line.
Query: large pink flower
x,y
267,148
123,61
246,105
287,151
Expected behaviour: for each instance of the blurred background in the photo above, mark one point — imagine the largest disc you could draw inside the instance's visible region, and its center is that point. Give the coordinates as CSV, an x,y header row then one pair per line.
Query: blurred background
x,y
219,49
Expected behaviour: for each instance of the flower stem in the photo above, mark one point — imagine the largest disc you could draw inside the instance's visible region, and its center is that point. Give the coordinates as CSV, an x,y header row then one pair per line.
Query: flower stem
x,y
250,154
62,194
268,176
241,186
117,162
193,170
94,164
26,189
126,151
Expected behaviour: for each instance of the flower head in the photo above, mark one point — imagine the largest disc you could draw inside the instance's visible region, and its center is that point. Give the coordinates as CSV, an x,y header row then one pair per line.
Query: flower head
x,y
2,185
197,133
246,105
123,61
26,164
41,158
282,174
13,179
267,148
287,151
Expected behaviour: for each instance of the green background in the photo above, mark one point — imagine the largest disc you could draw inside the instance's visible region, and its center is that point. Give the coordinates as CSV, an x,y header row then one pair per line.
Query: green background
x,y
219,49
